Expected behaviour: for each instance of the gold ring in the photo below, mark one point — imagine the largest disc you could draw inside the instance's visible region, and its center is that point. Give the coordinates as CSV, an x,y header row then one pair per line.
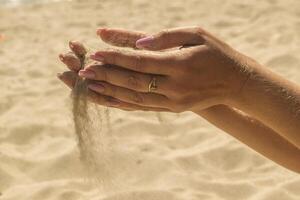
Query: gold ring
x,y
152,85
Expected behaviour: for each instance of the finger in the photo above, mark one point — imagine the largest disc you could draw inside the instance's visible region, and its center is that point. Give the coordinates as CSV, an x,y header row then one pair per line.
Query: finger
x,y
172,38
124,78
78,48
120,37
133,107
130,96
69,78
136,61
116,103
71,60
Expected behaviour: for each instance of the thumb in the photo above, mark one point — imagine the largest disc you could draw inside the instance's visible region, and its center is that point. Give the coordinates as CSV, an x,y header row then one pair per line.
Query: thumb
x,y
120,37
172,38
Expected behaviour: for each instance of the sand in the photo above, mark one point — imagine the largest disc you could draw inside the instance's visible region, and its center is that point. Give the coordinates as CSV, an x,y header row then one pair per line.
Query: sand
x,y
182,158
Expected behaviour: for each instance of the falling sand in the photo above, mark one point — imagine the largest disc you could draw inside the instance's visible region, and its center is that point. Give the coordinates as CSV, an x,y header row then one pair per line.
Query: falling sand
x,y
103,162
87,122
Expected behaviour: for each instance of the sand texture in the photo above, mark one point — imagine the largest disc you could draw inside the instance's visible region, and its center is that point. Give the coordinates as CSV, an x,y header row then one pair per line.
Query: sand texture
x,y
181,158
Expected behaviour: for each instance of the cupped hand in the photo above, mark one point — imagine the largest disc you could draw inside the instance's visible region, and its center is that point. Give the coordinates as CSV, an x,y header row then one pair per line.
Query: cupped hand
x,y
72,61
207,73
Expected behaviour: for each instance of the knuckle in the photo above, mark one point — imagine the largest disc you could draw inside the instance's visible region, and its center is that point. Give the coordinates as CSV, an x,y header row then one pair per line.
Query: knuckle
x,y
133,82
200,32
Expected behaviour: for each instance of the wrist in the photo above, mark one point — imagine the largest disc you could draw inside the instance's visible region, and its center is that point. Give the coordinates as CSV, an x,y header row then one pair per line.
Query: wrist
x,y
246,72
254,77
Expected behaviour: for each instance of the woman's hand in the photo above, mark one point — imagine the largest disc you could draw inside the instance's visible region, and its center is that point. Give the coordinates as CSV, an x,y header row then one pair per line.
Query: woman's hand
x,y
207,73
210,61
264,95
72,61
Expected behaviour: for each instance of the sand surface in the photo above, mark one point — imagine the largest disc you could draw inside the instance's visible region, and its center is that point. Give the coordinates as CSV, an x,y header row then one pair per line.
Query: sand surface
x,y
182,158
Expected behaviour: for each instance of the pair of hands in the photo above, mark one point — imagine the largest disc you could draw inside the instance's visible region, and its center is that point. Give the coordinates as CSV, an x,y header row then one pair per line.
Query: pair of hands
x,y
207,73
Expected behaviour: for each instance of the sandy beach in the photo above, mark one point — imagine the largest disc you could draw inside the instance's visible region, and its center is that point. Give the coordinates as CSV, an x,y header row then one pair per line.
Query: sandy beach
x,y
171,157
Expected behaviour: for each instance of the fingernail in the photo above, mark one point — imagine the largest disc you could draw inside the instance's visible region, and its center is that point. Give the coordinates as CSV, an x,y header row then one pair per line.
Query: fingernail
x,y
114,102
96,87
144,42
71,44
87,74
97,57
61,57
100,30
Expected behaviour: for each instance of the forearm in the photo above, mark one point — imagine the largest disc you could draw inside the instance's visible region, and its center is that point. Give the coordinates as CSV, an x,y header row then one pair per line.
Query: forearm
x,y
272,100
254,134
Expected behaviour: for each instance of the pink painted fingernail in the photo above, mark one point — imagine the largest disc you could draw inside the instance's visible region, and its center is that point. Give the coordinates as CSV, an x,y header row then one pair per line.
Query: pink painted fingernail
x,y
97,57
144,42
87,74
96,87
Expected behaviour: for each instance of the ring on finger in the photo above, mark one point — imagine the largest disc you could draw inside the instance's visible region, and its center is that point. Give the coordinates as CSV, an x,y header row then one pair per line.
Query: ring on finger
x,y
152,85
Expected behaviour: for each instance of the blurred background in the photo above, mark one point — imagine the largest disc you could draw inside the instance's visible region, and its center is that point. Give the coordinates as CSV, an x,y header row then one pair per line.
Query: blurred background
x,y
182,157
23,2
